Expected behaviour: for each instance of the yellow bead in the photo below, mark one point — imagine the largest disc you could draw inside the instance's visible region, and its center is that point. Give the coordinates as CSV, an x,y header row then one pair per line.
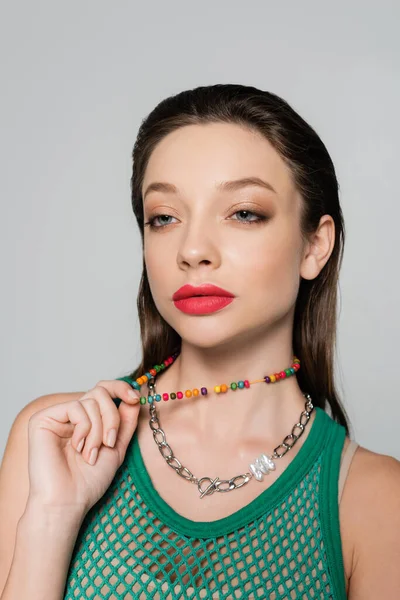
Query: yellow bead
x,y
224,387
217,389
188,394
196,392
272,378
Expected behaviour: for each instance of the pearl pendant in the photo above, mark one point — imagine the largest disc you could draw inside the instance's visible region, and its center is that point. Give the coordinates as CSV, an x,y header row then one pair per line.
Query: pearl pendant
x,y
262,466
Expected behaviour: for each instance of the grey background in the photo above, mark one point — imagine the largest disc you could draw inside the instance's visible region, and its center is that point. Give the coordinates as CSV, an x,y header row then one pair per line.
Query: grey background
x,y
76,80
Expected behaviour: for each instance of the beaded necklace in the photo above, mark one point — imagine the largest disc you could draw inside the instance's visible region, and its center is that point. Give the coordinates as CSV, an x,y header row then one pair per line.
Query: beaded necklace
x,y
262,465
218,389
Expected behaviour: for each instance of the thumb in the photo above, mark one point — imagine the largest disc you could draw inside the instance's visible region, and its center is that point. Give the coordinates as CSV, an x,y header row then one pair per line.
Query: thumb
x,y
129,417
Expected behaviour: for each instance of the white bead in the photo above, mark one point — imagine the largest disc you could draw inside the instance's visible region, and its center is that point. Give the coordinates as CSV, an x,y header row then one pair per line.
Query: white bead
x,y
261,466
256,472
268,461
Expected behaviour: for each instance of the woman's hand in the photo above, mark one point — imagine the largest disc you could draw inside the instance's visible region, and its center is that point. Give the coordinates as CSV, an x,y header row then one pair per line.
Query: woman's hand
x,y
73,452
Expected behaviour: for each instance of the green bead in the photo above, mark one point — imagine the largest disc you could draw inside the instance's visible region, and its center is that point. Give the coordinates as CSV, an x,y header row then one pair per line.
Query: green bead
x,y
288,372
233,386
240,384
142,400
157,368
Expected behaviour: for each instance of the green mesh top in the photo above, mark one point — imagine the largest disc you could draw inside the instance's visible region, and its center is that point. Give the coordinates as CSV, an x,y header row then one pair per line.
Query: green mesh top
x,y
284,544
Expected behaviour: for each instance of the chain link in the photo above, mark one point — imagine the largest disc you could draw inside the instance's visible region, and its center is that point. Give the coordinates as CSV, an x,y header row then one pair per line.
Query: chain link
x,y
217,484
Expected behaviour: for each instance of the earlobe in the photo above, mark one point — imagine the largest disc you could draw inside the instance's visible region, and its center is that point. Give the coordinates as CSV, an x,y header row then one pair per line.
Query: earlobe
x,y
319,248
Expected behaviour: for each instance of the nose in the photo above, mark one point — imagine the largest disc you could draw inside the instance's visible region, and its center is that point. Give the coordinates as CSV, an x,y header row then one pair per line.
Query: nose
x,y
198,246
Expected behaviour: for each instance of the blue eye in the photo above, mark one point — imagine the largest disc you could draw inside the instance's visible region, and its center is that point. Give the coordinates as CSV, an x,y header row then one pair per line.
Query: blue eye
x,y
259,219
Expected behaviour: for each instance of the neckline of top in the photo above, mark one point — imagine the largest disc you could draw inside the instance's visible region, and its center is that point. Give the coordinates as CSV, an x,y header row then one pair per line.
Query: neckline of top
x,y
268,498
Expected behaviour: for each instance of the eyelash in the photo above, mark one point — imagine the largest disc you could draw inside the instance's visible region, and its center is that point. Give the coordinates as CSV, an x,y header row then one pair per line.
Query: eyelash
x,y
260,219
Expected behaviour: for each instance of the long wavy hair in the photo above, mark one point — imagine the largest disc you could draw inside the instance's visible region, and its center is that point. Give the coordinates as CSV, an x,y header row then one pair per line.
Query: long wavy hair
x,y
313,172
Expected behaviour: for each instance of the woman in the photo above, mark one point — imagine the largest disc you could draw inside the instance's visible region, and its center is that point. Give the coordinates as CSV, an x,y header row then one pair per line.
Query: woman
x,y
221,476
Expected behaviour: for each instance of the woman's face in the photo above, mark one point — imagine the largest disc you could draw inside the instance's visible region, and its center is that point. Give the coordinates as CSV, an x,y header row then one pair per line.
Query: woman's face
x,y
243,238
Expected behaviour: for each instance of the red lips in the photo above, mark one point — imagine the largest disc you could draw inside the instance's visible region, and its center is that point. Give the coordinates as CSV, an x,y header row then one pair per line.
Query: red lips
x,y
206,289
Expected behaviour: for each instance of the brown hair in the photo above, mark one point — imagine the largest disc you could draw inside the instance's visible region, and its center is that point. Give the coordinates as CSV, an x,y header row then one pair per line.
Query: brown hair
x,y
315,320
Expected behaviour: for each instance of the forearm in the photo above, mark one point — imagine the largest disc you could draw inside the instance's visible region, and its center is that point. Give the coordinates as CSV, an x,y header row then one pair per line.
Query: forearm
x,y
44,543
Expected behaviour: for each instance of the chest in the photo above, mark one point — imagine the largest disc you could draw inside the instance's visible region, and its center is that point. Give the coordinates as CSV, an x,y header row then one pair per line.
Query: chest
x,y
184,497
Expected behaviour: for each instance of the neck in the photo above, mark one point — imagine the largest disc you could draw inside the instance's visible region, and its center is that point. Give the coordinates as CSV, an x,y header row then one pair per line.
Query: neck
x,y
261,412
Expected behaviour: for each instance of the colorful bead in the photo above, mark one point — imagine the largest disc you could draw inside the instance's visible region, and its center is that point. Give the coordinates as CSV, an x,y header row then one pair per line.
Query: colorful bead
x,y
267,379
246,383
172,395
241,384
196,392
165,396
224,388
203,391
142,400
233,385
158,397
217,389
179,395
150,399
282,374
135,385
272,378
188,394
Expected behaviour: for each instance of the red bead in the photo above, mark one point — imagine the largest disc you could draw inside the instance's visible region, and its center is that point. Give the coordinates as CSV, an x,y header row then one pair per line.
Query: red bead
x,y
246,383
153,372
165,396
282,374
277,376
179,395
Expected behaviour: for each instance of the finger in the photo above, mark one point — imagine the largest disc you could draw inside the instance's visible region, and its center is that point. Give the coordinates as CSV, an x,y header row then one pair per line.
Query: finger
x,y
120,389
94,438
58,417
109,414
129,417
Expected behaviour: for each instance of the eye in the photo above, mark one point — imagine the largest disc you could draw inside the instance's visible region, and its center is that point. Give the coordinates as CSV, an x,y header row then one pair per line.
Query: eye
x,y
258,218
150,222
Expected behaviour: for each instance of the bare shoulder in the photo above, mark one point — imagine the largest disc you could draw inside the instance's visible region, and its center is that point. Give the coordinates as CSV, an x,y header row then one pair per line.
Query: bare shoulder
x,y
370,517
14,478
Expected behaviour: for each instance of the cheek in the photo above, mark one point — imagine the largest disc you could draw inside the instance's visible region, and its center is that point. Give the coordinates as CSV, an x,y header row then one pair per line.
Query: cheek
x,y
158,267
271,271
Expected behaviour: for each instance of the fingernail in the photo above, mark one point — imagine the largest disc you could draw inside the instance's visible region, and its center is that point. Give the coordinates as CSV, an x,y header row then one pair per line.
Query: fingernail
x,y
112,437
93,456
80,445
133,395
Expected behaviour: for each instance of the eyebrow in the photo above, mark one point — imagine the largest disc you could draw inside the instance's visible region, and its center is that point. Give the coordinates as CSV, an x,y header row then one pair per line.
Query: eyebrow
x,y
227,186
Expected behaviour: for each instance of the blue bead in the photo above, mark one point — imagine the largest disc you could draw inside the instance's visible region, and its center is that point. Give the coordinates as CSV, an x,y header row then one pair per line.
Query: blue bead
x,y
158,397
135,385
292,370
150,399
240,384
148,375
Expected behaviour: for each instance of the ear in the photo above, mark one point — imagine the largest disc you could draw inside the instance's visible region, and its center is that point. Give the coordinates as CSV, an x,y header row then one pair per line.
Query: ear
x,y
318,249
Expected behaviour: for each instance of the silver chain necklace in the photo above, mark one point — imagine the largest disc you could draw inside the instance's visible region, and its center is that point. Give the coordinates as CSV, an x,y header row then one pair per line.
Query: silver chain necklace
x,y
260,467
